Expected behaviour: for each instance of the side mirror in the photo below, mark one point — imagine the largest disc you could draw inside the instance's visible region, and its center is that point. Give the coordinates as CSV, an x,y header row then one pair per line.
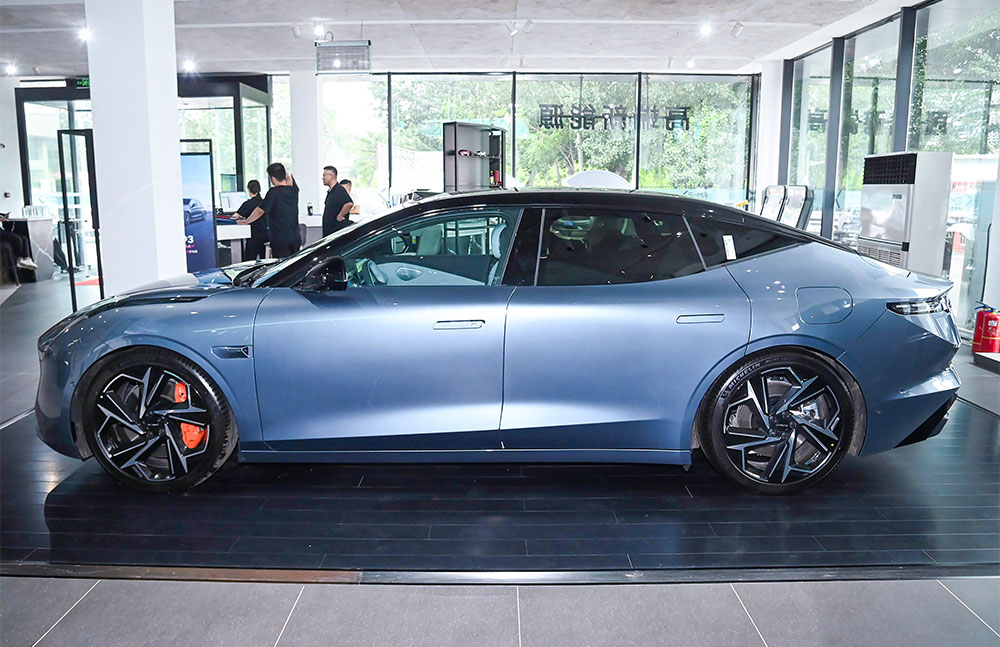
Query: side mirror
x,y
330,274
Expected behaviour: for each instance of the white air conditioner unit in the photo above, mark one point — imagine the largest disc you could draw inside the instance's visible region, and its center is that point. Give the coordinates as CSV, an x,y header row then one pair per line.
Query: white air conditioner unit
x,y
344,57
904,209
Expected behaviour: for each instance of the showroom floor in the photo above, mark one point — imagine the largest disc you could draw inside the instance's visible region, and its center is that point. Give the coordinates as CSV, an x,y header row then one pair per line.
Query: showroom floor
x,y
928,511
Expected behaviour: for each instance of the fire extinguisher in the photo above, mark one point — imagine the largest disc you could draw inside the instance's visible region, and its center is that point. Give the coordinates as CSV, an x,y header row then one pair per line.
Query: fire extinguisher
x,y
987,335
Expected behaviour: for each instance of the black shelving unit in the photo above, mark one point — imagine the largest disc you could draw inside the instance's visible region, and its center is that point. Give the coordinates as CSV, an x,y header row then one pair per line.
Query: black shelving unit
x,y
474,157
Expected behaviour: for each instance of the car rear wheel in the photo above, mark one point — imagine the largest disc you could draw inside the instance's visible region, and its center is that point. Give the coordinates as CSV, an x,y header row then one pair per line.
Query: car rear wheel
x,y
157,422
779,421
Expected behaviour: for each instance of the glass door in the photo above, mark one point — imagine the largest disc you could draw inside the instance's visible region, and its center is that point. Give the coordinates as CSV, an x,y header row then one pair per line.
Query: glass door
x,y
78,233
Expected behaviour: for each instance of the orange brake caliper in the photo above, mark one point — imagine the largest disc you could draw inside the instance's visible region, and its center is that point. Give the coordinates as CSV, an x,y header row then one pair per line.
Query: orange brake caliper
x,y
191,434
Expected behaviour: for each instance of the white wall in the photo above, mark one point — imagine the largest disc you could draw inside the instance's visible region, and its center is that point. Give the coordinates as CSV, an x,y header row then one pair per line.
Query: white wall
x,y
133,79
768,127
10,159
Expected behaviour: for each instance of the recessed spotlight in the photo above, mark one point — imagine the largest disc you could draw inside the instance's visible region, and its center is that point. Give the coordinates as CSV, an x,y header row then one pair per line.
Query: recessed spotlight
x,y
11,69
319,30
84,34
296,31
511,27
705,29
188,65
690,63
528,24
737,30
957,70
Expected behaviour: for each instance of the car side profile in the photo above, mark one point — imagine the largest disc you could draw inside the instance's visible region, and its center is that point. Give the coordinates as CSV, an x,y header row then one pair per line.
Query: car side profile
x,y
561,325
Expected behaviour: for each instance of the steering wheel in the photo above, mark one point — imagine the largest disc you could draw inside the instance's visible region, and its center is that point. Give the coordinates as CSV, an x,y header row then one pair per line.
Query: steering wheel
x,y
371,274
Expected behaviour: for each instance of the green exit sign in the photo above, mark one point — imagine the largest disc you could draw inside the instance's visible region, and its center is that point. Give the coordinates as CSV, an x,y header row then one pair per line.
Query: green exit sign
x,y
83,82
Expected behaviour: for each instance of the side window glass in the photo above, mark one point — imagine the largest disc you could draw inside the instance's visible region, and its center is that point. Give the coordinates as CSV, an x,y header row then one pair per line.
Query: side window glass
x,y
721,241
583,246
462,247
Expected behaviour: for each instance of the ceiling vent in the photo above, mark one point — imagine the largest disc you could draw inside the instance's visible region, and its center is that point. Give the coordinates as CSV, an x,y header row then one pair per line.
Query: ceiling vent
x,y
344,57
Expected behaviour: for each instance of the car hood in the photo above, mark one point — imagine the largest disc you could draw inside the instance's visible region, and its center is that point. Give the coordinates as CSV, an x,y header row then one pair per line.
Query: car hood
x,y
197,281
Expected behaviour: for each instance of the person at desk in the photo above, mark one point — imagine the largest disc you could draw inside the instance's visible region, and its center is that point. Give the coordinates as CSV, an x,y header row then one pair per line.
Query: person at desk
x,y
18,244
355,207
337,205
258,229
281,204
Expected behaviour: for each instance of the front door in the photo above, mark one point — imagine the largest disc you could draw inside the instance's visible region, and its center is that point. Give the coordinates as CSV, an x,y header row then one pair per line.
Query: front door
x,y
605,351
408,357
79,228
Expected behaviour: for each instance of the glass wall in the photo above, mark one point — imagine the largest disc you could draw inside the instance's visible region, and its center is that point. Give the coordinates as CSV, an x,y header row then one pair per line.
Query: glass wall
x,y
254,118
212,118
810,118
956,107
422,103
281,122
866,121
695,136
355,137
41,120
567,124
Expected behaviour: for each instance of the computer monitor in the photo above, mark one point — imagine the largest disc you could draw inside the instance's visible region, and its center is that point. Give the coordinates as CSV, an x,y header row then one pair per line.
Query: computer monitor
x,y
231,200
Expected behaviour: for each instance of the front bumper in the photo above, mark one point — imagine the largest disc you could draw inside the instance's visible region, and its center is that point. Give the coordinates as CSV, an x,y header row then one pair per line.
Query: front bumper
x,y
52,405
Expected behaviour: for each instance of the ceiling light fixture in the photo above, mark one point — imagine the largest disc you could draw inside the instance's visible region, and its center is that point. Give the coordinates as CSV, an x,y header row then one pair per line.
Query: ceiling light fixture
x,y
296,31
188,65
319,30
84,34
528,24
690,63
957,71
11,69
737,30
705,29
670,62
511,27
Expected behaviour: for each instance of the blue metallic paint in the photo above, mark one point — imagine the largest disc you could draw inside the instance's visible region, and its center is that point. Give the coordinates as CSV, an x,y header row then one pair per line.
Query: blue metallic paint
x,y
595,373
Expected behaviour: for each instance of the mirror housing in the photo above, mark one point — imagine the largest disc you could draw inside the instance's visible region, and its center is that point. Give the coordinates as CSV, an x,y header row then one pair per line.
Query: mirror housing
x,y
330,274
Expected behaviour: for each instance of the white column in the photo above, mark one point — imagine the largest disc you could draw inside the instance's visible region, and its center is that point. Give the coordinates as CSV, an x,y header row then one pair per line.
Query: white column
x,y
305,95
10,158
133,89
768,127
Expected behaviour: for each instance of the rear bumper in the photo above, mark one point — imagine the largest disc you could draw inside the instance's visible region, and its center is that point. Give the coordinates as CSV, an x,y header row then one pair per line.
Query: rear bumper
x,y
903,366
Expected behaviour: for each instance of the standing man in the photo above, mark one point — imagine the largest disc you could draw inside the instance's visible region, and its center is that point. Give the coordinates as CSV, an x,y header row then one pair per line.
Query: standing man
x,y
355,208
258,228
337,205
281,204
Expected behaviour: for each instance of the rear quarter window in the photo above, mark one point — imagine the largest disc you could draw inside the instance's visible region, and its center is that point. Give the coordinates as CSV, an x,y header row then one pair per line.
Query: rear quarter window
x,y
721,241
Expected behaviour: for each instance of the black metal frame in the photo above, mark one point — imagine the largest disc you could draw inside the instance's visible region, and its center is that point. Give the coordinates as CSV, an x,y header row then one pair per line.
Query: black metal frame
x,y
187,87
88,137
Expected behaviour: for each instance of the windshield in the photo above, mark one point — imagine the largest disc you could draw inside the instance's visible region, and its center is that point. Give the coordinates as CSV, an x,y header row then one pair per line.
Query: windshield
x,y
306,251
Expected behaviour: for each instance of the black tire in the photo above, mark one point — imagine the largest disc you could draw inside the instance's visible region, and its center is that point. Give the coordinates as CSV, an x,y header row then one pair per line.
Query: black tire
x,y
132,418
796,437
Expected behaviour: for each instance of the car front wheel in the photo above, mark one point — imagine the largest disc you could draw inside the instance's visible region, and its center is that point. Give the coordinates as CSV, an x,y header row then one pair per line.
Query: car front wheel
x,y
157,422
779,421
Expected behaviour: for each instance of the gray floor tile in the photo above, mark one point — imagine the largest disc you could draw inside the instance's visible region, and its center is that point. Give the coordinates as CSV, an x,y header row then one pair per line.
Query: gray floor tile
x,y
29,606
150,613
685,614
436,616
982,595
887,614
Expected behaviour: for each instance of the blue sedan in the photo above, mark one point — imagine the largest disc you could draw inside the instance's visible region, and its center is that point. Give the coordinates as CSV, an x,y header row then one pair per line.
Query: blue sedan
x,y
585,326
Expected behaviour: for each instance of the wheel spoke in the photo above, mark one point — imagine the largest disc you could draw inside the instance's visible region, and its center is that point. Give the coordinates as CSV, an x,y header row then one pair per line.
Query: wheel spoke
x,y
152,381
779,460
112,407
177,460
794,395
136,452
765,419
187,413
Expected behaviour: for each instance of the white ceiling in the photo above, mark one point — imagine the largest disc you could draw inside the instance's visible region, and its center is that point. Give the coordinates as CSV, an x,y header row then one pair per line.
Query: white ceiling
x,y
446,35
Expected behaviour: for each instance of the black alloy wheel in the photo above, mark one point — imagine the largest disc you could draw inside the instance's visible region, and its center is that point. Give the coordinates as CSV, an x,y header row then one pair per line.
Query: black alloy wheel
x,y
156,422
779,422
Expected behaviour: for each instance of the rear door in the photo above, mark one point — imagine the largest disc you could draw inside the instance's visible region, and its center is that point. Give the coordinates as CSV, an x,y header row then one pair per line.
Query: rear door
x,y
605,348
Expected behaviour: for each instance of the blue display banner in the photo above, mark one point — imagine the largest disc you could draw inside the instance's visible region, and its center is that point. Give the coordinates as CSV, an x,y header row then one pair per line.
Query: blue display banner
x,y
199,221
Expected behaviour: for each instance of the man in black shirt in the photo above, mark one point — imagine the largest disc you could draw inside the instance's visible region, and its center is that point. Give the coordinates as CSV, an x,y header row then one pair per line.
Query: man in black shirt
x,y
254,247
281,204
338,203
